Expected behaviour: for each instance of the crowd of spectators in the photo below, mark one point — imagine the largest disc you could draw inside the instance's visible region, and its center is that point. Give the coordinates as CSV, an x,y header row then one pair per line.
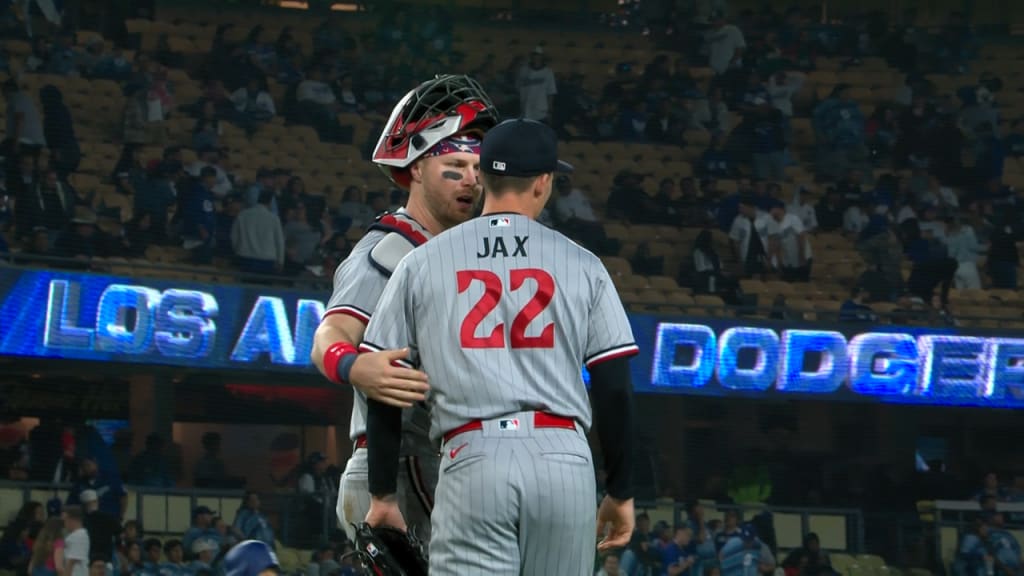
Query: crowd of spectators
x,y
944,217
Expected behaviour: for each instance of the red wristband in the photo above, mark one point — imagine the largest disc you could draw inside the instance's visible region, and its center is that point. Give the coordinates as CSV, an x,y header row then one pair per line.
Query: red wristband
x,y
332,357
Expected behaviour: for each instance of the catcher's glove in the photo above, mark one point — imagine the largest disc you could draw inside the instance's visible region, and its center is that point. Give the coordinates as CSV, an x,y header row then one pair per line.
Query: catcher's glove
x,y
388,551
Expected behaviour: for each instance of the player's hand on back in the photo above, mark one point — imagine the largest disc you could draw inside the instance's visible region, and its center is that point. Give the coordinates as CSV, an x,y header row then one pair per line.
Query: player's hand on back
x,y
615,523
376,375
384,511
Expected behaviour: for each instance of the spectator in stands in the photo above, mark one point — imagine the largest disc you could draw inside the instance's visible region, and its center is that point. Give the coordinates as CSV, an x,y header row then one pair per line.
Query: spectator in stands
x,y
106,483
199,220
782,87
149,467
856,218
750,238
972,556
59,131
626,199
129,559
45,204
204,551
537,89
300,236
15,550
358,214
712,114
829,211
963,246
724,43
257,238
76,543
47,552
152,552
707,276
202,528
251,523
207,130
809,559
320,557
839,126
1003,546
854,310
609,565
174,552
746,555
717,162
574,213
210,157
932,267
63,58
992,488
103,528
678,557
135,125
791,246
763,122
209,469
730,529
24,124
665,126
319,103
265,179
253,104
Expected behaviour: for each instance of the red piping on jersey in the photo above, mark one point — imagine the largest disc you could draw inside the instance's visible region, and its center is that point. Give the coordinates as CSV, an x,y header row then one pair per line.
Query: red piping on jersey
x,y
361,441
389,223
348,311
624,353
540,420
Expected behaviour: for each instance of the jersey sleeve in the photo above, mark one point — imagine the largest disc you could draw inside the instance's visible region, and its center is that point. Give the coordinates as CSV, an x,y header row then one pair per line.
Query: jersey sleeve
x,y
609,334
392,325
357,287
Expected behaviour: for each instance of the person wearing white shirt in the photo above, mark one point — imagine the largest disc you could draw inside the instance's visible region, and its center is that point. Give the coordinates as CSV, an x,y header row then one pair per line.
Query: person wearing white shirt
x,y
963,246
211,157
782,87
790,246
315,90
537,89
855,220
749,236
725,45
805,212
254,102
572,204
76,543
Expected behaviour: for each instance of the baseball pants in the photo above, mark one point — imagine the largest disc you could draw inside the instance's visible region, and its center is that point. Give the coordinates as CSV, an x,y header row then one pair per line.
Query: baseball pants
x,y
515,499
417,478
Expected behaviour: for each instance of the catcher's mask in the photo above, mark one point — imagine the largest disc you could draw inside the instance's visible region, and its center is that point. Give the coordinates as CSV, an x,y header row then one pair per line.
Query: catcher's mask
x,y
436,109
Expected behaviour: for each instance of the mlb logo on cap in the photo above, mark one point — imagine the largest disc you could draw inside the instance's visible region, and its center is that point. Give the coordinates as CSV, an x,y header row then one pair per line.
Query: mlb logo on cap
x,y
499,166
501,222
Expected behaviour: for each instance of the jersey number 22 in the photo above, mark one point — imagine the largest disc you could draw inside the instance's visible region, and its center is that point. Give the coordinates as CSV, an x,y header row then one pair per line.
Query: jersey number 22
x,y
493,291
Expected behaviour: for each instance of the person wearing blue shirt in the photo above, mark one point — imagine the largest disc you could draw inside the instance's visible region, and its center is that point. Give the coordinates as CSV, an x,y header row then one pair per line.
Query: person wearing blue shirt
x,y
204,550
251,523
202,527
175,564
745,554
151,551
1005,548
200,219
972,556
107,485
678,557
730,528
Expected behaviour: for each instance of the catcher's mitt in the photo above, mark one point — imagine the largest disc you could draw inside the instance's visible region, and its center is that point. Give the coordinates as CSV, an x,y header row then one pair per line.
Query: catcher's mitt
x,y
388,551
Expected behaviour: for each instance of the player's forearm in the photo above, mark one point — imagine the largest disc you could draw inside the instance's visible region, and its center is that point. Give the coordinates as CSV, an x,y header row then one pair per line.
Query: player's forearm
x,y
384,440
612,399
334,329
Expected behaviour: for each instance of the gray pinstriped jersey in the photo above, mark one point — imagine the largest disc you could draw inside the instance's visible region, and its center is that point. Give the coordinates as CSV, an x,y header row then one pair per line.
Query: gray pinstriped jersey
x,y
501,313
358,285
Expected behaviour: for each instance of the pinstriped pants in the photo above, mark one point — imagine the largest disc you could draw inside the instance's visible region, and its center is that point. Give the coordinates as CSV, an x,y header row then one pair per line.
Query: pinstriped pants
x,y
511,502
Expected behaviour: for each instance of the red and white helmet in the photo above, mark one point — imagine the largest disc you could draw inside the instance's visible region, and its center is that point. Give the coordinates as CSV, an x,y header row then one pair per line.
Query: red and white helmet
x,y
436,109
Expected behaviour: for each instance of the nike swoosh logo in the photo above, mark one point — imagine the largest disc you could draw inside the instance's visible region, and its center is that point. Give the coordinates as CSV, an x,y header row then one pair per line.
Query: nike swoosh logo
x,y
455,451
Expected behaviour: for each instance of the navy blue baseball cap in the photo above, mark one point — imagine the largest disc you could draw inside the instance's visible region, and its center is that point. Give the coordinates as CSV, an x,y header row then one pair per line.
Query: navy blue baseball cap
x,y
748,532
521,148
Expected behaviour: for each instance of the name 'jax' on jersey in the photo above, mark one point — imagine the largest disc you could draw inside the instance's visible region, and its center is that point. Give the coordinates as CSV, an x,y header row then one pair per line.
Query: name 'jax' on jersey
x,y
359,282
563,308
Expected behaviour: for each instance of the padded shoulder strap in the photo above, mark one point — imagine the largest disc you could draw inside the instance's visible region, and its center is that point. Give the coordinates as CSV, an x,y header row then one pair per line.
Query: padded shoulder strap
x,y
403,234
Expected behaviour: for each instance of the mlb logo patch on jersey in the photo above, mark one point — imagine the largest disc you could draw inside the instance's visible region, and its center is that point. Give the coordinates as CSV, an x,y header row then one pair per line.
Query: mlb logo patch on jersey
x,y
372,550
501,222
510,424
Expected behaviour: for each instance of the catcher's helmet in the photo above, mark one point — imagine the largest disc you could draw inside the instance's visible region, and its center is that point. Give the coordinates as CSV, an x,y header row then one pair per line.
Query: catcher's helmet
x,y
436,109
249,558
